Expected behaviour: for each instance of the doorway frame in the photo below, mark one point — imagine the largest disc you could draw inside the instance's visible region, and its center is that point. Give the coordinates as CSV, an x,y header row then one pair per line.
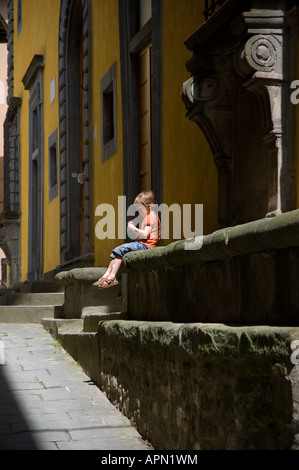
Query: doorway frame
x,y
131,43
69,251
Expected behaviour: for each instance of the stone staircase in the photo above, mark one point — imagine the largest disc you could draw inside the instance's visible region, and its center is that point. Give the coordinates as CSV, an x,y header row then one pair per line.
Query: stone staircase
x,y
85,306
79,337
70,309
30,306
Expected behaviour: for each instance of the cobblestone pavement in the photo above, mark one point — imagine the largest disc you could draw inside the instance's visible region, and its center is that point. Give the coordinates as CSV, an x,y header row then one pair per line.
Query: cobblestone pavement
x,y
48,403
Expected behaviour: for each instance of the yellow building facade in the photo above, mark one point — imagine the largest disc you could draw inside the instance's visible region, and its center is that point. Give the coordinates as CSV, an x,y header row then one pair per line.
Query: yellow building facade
x,y
77,94
97,98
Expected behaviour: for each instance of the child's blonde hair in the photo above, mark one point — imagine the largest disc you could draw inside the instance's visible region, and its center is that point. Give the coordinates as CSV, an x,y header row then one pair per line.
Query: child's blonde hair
x,y
145,198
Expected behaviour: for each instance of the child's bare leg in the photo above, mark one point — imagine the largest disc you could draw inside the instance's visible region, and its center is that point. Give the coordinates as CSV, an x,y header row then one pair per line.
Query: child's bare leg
x,y
115,267
109,278
109,269
107,273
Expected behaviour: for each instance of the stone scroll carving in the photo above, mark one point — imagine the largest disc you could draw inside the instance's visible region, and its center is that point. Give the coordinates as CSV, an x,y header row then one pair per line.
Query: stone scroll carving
x,y
209,104
202,97
262,54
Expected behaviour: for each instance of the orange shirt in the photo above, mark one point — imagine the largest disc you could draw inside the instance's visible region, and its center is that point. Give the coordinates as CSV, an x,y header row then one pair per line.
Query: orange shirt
x,y
151,220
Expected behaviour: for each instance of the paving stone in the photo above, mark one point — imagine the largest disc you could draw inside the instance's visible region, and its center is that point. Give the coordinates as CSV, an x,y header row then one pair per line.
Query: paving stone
x,y
110,444
47,402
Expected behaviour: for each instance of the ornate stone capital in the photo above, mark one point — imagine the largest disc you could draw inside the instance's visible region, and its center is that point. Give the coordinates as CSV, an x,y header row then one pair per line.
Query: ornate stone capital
x,y
261,55
264,61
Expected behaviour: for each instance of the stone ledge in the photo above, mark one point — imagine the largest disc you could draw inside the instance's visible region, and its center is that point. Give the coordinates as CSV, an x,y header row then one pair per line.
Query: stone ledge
x,y
93,315
201,386
253,237
57,326
79,275
207,339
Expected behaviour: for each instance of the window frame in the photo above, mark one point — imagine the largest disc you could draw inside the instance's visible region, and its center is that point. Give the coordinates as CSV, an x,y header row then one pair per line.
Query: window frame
x,y
33,82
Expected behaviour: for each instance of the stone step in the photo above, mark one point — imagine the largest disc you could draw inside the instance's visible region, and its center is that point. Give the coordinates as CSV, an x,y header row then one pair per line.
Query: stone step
x,y
37,287
26,313
84,349
58,326
82,346
45,298
91,317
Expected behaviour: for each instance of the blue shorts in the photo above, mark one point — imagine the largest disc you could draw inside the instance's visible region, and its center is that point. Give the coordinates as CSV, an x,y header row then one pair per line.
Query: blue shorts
x,y
127,247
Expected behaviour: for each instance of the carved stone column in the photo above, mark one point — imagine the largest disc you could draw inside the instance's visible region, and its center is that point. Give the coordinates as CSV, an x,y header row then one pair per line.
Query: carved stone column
x,y
239,95
264,62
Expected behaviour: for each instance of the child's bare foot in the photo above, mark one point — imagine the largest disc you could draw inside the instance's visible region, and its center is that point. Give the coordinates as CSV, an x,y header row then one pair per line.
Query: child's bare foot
x,y
108,282
100,282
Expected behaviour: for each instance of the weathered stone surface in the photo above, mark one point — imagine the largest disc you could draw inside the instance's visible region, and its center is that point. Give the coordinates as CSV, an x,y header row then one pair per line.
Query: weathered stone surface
x,y
241,275
80,293
93,315
242,66
82,275
260,288
258,236
83,347
203,386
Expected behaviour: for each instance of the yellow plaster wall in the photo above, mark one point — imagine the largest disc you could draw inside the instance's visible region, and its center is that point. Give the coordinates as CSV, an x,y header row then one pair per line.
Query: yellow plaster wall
x,y
108,176
39,35
189,174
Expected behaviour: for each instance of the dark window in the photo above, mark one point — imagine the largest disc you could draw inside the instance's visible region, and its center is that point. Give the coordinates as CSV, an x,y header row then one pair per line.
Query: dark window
x,y
211,6
19,16
53,165
143,12
34,129
108,114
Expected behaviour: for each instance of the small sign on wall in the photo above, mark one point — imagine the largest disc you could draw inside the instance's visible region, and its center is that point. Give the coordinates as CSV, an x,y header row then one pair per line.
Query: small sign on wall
x,y
52,90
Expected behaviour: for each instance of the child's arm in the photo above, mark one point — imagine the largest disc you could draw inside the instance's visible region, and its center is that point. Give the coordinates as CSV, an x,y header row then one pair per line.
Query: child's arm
x,y
143,234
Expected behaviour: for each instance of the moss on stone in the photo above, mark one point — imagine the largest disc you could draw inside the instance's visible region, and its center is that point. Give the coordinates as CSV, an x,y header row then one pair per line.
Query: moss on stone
x,y
205,339
261,235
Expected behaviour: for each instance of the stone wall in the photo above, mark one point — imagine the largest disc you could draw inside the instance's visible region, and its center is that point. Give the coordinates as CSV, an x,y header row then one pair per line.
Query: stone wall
x,y
185,365
203,386
261,288
246,274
